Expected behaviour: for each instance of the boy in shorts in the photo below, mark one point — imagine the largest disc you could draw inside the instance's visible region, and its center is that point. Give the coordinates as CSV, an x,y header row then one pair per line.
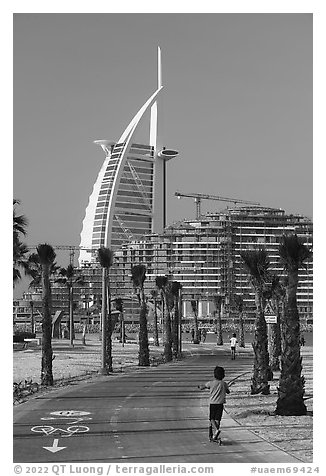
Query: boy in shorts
x,y
233,345
218,390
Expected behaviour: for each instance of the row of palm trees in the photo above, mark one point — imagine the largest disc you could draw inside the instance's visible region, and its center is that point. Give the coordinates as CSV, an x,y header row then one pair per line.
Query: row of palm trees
x,y
41,265
285,336
281,351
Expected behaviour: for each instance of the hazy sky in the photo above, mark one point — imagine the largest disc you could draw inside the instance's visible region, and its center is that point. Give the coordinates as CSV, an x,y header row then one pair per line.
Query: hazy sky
x,y
237,104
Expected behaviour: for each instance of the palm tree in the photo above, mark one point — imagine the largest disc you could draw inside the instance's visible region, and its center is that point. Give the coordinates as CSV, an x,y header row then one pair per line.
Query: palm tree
x,y
154,295
162,283
257,264
46,255
239,305
276,294
105,257
218,300
20,249
34,270
175,291
69,277
293,254
138,276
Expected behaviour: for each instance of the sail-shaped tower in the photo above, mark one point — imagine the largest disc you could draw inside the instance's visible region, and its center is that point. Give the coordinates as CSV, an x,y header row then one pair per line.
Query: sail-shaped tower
x,y
128,197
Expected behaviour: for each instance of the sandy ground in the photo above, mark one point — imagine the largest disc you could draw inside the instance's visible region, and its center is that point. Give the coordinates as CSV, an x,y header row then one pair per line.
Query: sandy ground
x,y
292,434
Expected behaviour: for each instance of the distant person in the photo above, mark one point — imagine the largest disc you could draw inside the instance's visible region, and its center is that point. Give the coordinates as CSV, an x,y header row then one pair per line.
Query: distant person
x,y
218,390
233,344
204,334
199,334
192,335
302,341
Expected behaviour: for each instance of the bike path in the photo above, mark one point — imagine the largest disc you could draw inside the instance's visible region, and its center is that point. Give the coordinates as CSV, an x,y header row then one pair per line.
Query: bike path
x,y
149,415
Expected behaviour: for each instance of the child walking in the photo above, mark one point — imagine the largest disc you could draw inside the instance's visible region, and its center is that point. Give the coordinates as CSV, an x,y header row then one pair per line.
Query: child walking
x,y
233,344
218,390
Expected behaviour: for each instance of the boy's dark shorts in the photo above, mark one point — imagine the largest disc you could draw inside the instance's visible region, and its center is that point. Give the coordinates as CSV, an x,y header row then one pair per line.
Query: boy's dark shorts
x,y
215,411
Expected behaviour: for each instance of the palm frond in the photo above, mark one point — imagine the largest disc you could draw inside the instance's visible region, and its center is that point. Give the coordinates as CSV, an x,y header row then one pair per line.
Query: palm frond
x,y
20,222
293,251
257,264
105,257
69,276
161,282
46,254
138,275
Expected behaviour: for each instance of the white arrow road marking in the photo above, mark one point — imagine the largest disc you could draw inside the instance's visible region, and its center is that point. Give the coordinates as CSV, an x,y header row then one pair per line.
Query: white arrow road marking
x,y
54,448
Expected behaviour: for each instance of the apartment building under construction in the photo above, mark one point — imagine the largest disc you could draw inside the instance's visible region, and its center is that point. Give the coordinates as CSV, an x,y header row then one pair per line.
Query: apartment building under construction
x,y
204,256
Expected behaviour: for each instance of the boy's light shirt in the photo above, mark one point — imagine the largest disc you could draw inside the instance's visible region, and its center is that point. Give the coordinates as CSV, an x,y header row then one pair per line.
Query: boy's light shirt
x,y
218,391
233,341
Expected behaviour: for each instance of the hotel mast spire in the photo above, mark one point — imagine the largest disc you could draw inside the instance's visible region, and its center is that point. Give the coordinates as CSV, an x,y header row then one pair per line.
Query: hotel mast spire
x,y
154,138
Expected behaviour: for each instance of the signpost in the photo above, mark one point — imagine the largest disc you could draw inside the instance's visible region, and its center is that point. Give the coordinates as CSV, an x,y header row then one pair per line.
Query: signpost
x,y
270,314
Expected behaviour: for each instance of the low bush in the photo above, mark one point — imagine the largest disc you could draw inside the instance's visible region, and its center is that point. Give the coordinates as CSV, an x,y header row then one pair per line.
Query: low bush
x,y
20,336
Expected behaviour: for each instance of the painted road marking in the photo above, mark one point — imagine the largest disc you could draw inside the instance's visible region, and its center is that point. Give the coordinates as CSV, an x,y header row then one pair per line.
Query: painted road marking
x,y
65,418
54,448
70,413
50,430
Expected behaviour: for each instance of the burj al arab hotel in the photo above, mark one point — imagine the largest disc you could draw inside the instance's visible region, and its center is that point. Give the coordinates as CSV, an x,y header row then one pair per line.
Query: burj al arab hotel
x,y
128,197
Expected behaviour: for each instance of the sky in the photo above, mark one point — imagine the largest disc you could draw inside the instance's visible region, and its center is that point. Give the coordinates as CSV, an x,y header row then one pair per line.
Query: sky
x,y
237,104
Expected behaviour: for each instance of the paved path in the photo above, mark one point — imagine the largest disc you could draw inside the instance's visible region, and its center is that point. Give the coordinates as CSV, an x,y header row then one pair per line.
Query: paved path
x,y
149,415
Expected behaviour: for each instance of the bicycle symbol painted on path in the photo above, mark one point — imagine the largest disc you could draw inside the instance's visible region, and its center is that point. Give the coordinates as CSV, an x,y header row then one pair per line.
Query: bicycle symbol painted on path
x,y
65,433
73,418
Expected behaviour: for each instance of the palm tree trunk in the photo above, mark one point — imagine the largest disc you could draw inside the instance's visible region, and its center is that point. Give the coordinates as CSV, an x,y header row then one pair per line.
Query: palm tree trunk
x,y
274,340
241,331
291,385
156,341
261,371
71,315
175,328
122,329
143,356
47,354
168,334
194,305
109,327
180,323
104,370
219,332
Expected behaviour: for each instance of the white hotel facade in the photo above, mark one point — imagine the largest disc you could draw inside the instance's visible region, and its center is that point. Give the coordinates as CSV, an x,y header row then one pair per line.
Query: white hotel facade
x,y
128,198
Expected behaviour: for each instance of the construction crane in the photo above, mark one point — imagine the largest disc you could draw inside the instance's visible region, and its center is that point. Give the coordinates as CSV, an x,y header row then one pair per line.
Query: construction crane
x,y
124,228
71,248
200,196
140,185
